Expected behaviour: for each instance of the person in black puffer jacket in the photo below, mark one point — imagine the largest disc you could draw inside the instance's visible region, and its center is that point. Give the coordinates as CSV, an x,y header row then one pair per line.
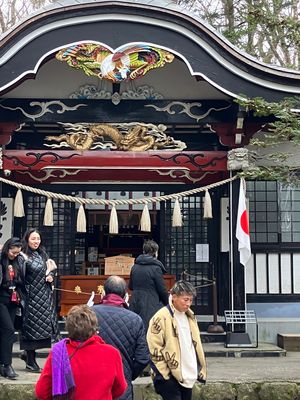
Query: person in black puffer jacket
x,y
39,320
149,292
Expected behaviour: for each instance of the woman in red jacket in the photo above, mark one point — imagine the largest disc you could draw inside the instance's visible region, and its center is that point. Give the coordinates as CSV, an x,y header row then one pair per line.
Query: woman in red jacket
x,y
82,367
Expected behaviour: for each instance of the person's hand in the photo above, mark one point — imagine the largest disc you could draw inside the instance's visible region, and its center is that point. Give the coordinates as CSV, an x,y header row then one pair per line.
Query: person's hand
x,y
126,298
49,278
202,379
90,302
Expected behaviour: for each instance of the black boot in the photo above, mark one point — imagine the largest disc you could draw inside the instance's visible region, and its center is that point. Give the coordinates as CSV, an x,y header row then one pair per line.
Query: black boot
x,y
31,364
8,372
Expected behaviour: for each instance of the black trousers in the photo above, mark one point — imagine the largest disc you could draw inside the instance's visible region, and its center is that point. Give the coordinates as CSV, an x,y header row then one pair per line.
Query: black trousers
x,y
171,390
7,332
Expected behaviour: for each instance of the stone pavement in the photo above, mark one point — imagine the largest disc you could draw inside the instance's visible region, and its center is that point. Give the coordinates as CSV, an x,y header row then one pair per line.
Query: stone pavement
x,y
229,378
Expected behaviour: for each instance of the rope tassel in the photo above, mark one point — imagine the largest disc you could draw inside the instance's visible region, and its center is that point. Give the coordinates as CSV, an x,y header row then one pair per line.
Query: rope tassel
x,y
145,224
81,219
207,208
177,216
113,221
19,206
48,216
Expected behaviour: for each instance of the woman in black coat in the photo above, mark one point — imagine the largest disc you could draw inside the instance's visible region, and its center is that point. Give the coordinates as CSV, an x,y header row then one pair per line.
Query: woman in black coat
x,y
10,295
39,321
149,292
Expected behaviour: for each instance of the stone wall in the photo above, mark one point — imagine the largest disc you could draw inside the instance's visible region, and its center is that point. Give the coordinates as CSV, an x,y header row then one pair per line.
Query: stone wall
x,y
210,391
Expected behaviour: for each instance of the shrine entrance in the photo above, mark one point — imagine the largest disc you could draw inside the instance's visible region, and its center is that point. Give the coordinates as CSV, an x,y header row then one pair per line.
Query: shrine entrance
x,y
84,253
98,243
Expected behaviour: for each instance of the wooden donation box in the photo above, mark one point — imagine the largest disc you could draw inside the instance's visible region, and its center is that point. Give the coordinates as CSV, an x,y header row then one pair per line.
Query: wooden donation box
x,y
77,289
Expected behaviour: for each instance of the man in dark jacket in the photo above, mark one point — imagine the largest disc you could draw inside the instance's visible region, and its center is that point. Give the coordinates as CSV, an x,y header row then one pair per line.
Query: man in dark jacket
x,y
122,329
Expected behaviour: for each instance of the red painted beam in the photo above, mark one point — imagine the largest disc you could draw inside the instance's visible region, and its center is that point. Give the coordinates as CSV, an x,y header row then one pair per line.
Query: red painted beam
x,y
37,160
168,176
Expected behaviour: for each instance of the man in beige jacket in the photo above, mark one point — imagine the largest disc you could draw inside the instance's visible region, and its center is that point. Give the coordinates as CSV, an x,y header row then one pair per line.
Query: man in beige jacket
x,y
177,357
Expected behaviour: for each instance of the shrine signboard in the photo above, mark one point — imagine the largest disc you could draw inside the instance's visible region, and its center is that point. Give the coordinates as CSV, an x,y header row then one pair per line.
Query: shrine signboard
x,y
118,265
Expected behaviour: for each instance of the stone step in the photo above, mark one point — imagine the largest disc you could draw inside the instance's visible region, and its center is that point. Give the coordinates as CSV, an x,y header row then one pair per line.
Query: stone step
x,y
205,336
210,350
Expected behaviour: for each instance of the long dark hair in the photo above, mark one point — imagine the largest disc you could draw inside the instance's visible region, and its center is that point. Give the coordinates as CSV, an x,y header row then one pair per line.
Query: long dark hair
x,y
4,260
26,249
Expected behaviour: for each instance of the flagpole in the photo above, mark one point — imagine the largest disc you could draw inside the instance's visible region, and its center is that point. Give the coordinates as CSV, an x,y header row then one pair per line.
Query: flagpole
x,y
245,272
231,244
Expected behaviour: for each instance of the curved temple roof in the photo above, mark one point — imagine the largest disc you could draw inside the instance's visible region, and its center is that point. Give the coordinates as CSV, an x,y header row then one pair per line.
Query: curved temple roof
x,y
157,22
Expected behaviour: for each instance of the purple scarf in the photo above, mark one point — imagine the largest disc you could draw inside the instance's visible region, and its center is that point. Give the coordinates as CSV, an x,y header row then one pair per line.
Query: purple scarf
x,y
63,384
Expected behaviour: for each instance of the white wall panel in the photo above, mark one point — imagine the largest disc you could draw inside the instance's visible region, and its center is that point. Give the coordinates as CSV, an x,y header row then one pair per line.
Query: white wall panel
x,y
296,275
286,283
280,273
273,273
261,273
249,276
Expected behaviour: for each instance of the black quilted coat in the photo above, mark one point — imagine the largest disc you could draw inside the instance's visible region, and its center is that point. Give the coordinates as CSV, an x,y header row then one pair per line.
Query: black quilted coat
x,y
38,315
148,287
124,330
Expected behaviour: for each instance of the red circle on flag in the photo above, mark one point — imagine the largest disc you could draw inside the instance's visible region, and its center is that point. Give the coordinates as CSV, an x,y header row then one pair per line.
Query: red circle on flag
x,y
244,222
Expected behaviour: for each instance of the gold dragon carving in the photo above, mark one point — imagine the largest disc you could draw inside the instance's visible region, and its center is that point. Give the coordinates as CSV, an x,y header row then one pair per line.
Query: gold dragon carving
x,y
138,138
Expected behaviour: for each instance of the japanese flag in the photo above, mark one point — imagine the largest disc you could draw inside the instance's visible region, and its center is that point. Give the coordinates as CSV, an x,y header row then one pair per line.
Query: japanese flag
x,y
242,227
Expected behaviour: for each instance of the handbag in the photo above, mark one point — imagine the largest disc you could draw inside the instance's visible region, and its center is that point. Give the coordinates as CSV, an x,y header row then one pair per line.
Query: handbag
x,y
14,297
51,266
